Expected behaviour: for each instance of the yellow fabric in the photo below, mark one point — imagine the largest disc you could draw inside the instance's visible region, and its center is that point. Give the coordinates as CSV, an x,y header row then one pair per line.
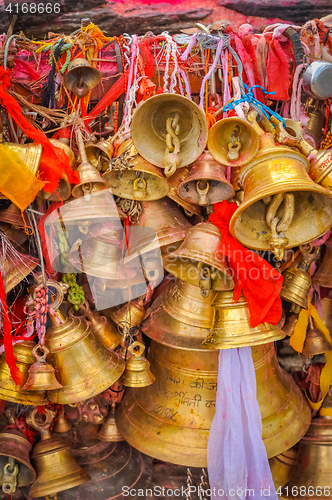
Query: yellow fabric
x,y
300,331
326,412
17,182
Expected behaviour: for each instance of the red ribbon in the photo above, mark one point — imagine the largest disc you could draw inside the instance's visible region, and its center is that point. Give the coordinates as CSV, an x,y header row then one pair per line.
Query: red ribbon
x,y
259,281
45,240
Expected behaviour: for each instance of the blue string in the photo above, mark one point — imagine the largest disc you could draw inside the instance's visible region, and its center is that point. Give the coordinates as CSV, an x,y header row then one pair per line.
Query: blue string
x,y
249,97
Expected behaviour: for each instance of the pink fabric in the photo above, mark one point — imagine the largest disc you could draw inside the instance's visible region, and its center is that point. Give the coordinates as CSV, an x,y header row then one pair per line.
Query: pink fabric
x,y
227,94
191,44
208,75
236,455
242,53
320,241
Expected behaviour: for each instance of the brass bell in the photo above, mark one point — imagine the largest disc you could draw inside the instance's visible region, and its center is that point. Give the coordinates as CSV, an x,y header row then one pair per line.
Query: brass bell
x,y
16,470
169,131
129,315
322,276
231,325
173,184
137,372
90,178
15,268
109,431
12,215
296,284
290,323
279,199
315,342
206,183
282,466
327,311
141,181
100,153
41,374
170,420
312,470
163,226
233,141
198,260
63,424
85,367
81,77
56,469
9,391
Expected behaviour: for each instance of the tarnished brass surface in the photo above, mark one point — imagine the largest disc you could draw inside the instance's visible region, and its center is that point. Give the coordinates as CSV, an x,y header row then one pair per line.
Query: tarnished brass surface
x,y
14,444
323,276
9,391
137,372
141,181
231,325
81,77
109,431
327,311
96,153
282,466
200,249
315,342
14,271
85,367
173,183
148,128
205,183
170,420
290,323
41,374
278,169
220,142
296,287
131,314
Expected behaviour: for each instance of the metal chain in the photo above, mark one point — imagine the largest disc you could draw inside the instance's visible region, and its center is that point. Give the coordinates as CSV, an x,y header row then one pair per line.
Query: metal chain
x,y
203,486
189,484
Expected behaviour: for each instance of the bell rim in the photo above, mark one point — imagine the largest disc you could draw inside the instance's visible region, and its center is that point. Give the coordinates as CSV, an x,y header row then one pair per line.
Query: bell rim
x,y
247,340
162,185
42,490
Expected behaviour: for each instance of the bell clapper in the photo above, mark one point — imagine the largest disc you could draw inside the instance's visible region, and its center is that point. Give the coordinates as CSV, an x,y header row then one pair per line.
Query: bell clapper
x,y
234,146
139,188
170,159
202,188
278,241
10,473
205,280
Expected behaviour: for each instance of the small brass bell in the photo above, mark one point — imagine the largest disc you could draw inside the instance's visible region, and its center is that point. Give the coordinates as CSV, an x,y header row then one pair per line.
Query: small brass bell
x,y
297,281
14,271
323,276
100,154
231,325
129,315
173,184
56,468
81,77
233,141
16,470
137,372
41,374
206,183
198,260
63,424
9,390
290,323
109,431
282,466
315,342
90,178
169,131
141,181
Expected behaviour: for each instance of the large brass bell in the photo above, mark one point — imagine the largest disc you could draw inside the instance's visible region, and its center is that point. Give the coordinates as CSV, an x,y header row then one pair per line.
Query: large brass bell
x,y
137,372
198,260
282,466
297,281
323,276
312,470
206,183
109,431
81,77
169,131
140,180
56,469
90,178
16,470
85,367
15,269
41,374
9,391
231,325
173,184
233,141
170,420
315,342
279,199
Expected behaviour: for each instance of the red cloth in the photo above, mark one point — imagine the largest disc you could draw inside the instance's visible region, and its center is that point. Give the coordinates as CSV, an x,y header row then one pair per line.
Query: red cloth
x,y
259,281
277,70
45,240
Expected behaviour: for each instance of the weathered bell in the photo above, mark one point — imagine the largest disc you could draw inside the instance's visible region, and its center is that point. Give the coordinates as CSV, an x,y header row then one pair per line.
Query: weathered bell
x,y
206,183
56,469
16,470
231,325
81,77
323,276
279,199
282,466
85,367
315,342
290,323
173,184
163,226
137,372
109,431
312,470
41,374
129,315
233,141
15,269
198,260
9,391
99,153
12,215
170,420
105,330
169,131
90,178
140,181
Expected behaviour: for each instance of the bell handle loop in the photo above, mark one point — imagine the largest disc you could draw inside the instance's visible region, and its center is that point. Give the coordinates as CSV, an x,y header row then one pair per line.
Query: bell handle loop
x,y
42,427
136,349
139,188
170,169
43,349
252,119
60,289
309,254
